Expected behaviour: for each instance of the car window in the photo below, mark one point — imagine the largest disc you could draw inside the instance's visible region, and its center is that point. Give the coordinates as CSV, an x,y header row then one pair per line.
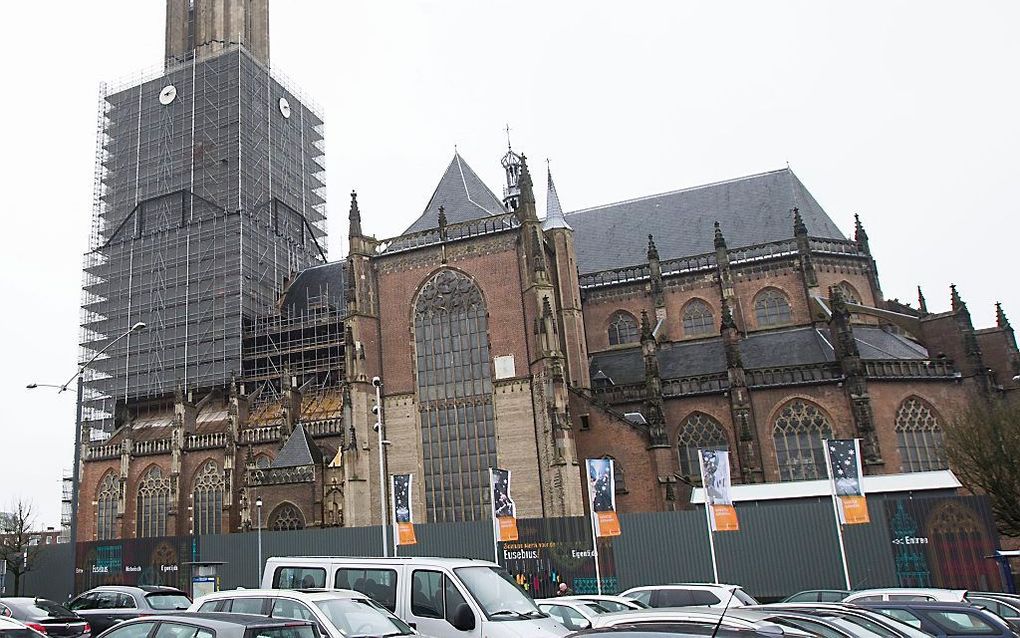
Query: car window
x,y
178,630
831,596
705,598
131,630
904,597
427,599
302,631
595,608
572,619
802,597
5,610
867,624
867,599
40,607
816,628
378,584
299,578
454,598
554,611
286,608
612,605
246,605
14,632
994,606
644,596
903,615
960,622
85,601
167,601
213,605
744,597
127,601
672,598
108,600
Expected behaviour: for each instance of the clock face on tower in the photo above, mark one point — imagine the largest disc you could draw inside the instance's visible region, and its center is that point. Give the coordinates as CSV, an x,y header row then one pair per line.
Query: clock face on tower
x,y
167,95
285,107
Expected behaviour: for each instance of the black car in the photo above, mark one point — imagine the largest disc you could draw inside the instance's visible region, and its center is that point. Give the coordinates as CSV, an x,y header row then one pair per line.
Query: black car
x,y
944,619
46,617
109,605
212,625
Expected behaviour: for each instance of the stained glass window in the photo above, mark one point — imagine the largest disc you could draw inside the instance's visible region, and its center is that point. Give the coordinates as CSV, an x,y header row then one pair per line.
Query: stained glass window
x,y
286,516
800,428
106,506
153,503
208,499
919,437
454,397
698,319
772,308
622,329
699,431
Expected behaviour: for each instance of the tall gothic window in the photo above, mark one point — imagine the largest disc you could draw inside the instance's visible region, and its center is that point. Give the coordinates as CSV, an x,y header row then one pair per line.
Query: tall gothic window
x,y
106,507
800,428
153,503
454,397
850,294
698,319
919,437
622,329
207,505
772,308
285,517
699,431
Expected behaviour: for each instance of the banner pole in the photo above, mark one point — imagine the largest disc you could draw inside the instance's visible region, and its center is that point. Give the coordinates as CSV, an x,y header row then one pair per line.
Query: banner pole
x,y
708,519
492,508
595,551
835,513
393,513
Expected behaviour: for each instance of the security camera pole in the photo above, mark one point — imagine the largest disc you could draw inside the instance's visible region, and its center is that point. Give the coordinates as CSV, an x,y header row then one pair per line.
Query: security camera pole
x,y
377,409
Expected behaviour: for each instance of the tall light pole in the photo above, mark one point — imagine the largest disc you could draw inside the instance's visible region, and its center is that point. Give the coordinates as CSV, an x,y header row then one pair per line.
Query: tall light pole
x,y
258,510
75,471
377,410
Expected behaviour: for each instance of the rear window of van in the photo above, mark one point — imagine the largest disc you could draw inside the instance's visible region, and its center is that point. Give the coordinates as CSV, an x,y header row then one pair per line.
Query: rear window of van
x,y
299,578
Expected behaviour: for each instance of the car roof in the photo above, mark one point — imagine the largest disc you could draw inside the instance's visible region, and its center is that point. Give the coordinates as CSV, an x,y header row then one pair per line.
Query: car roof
x,y
392,560
300,594
215,618
131,589
948,604
909,590
685,585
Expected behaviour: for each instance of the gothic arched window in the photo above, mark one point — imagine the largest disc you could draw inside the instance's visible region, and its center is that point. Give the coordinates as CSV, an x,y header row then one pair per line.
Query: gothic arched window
x,y
623,329
207,505
106,506
800,428
919,437
454,397
772,308
850,294
698,319
285,517
698,432
262,461
153,503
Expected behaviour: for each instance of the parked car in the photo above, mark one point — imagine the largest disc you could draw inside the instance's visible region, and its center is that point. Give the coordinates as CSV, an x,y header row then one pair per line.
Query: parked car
x,y
213,625
611,603
821,625
572,614
667,631
456,597
1005,606
907,593
46,617
108,605
338,613
10,628
818,596
690,595
870,619
945,619
694,621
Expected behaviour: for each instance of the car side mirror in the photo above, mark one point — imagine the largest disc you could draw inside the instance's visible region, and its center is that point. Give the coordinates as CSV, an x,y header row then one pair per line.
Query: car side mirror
x,y
463,618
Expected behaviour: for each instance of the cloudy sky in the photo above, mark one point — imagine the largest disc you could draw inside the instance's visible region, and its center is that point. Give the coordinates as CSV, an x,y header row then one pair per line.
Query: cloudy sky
x,y
903,112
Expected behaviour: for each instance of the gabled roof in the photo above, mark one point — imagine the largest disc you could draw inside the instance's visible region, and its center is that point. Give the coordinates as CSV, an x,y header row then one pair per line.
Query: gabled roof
x,y
751,210
299,450
463,196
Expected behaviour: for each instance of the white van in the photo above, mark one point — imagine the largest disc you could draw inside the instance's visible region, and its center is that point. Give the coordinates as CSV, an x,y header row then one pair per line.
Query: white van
x,y
441,597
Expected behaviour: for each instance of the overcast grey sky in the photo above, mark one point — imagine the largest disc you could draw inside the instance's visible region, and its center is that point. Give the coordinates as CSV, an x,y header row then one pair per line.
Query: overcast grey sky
x,y
904,112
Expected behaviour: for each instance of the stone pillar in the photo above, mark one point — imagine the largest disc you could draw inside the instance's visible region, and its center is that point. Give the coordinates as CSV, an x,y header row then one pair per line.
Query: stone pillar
x,y
855,383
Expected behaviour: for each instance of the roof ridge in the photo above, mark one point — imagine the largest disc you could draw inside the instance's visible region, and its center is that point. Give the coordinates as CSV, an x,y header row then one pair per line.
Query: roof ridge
x,y
681,190
467,191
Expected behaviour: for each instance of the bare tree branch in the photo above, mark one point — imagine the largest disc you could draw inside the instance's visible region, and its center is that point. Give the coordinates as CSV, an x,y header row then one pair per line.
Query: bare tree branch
x,y
16,545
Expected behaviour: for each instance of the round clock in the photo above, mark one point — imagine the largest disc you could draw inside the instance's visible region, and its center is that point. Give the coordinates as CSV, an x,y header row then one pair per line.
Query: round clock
x,y
168,94
285,107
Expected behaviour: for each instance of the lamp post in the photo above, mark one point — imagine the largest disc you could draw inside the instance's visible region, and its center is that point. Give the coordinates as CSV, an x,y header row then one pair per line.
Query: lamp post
x,y
258,510
378,411
75,471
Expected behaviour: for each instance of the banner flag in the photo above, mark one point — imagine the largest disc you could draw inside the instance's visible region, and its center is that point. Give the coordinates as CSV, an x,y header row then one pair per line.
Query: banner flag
x,y
715,478
844,463
504,510
402,517
602,493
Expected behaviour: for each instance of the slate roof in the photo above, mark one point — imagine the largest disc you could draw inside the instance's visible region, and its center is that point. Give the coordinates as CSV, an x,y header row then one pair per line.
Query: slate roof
x,y
751,210
796,346
463,196
327,280
299,450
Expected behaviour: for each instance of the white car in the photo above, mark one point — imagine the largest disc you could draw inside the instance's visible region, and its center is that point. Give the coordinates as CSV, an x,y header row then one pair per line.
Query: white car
x,y
575,615
907,593
612,603
691,595
10,628
700,617
339,613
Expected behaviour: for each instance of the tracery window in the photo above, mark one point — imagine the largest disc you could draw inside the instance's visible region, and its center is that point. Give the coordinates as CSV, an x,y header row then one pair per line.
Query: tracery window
x,y
262,461
622,329
919,437
153,503
699,431
850,294
285,517
106,506
772,308
698,320
207,495
454,397
800,428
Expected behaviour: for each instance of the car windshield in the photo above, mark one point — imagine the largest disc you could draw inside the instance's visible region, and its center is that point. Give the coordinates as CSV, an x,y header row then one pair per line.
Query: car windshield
x,y
48,608
168,601
497,594
17,633
362,617
740,595
597,608
612,605
294,631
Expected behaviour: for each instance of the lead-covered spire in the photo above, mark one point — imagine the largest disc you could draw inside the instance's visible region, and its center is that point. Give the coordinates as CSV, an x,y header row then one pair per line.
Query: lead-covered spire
x,y
554,217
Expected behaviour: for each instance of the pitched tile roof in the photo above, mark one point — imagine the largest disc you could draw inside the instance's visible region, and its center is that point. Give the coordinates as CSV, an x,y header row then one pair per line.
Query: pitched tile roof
x,y
299,450
463,196
751,210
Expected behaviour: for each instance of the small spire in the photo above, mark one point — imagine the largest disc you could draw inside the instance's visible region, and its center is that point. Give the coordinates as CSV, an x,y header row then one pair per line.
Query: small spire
x,y
859,233
554,217
922,305
720,241
799,229
728,323
646,326
442,217
1000,317
537,249
546,306
355,216
653,252
527,196
958,303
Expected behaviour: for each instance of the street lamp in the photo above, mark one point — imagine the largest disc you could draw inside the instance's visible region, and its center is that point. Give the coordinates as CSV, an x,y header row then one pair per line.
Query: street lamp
x,y
258,509
378,412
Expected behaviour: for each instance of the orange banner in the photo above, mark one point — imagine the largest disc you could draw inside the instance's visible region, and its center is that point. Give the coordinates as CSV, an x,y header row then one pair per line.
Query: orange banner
x,y
405,534
724,518
507,528
854,510
607,524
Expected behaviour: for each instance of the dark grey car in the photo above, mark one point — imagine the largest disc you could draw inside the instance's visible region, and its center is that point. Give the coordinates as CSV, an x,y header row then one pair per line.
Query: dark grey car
x,y
211,625
109,605
45,616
